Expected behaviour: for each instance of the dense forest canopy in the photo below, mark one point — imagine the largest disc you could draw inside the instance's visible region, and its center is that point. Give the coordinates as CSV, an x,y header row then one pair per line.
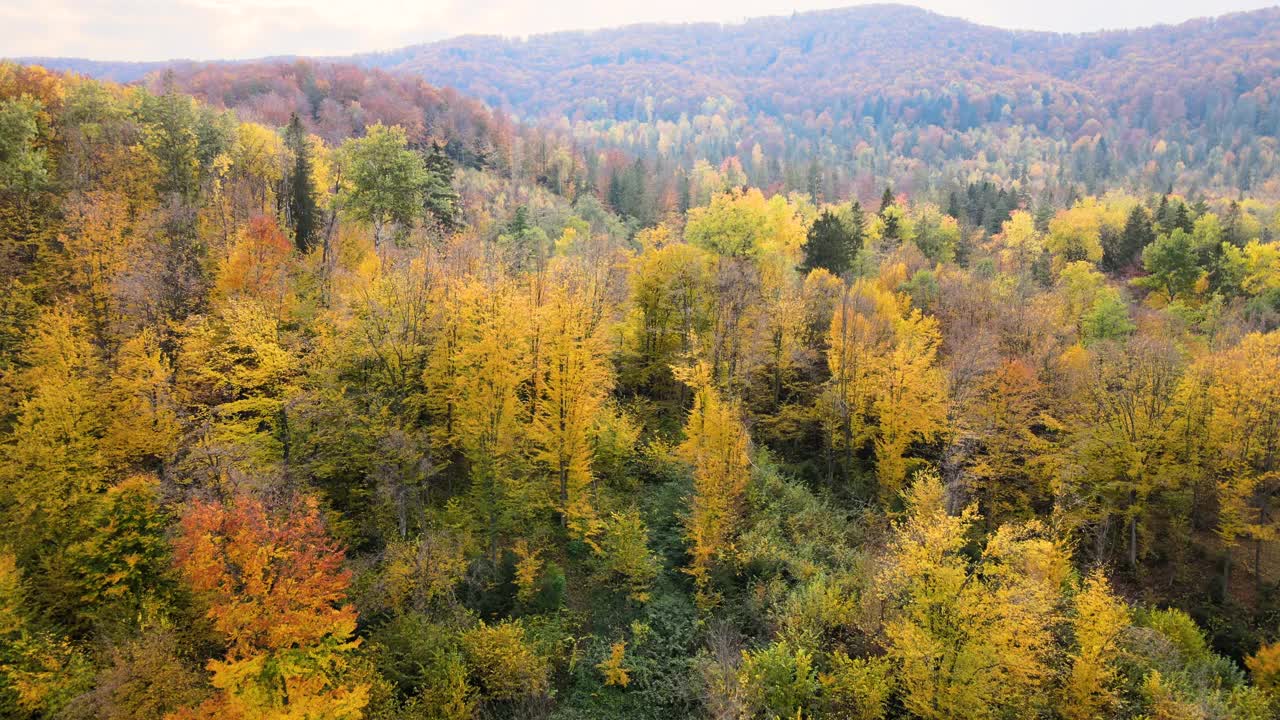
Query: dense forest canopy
x,y
884,92
839,102
326,392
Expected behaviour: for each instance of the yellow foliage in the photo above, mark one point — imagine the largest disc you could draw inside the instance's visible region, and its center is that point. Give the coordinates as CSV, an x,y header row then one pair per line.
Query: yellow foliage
x,y
421,572
624,551
1076,234
1098,621
911,398
1022,242
857,688
502,662
10,595
528,567
143,423
575,378
1264,665
716,445
744,224
615,673
969,642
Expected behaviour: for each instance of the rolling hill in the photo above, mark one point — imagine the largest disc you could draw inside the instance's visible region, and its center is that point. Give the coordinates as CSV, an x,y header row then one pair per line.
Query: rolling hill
x,y
912,86
840,101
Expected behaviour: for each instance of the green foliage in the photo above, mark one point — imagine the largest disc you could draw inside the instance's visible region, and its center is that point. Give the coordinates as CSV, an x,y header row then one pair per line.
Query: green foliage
x,y
1107,319
385,180
302,210
123,564
830,245
1172,265
23,164
781,681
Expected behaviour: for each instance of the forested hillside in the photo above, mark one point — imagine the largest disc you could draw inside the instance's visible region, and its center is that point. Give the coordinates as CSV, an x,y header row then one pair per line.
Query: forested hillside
x,y
837,103
340,405
869,93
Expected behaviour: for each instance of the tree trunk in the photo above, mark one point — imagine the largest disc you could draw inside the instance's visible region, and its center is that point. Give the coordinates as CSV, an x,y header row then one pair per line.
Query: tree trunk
x,y
1226,575
564,495
1133,543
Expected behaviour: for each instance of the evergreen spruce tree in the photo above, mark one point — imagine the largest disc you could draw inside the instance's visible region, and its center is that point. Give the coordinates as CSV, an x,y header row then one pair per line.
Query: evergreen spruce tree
x,y
886,199
302,214
829,245
439,198
1127,247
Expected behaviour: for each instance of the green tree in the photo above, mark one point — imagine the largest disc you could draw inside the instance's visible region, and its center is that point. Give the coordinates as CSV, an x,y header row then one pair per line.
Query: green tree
x,y
385,180
830,245
23,165
1171,264
1107,319
1124,249
302,213
440,200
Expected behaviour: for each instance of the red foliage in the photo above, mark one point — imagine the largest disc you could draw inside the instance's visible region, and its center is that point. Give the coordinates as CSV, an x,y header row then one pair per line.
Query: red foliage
x,y
273,578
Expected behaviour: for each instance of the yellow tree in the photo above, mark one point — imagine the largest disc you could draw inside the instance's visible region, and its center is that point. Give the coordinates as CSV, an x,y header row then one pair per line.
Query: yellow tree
x,y
1099,619
99,245
861,333
257,165
503,662
751,239
1075,234
669,304
1022,242
717,446
1244,436
970,640
911,399
143,428
575,381
236,370
1007,473
51,461
489,367
1124,414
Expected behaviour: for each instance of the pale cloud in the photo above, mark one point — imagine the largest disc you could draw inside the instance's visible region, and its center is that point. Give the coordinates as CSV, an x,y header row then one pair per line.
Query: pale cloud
x,y
207,29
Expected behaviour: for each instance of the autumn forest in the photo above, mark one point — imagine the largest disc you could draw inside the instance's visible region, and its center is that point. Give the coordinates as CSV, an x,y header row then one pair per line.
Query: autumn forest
x,y
618,375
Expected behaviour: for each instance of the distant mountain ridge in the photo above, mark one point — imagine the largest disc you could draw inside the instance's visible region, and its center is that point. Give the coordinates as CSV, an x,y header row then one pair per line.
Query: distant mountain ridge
x,y
891,91
906,45
896,91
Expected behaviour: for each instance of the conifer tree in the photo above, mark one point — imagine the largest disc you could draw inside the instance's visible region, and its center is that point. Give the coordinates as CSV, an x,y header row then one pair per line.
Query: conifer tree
x,y
302,213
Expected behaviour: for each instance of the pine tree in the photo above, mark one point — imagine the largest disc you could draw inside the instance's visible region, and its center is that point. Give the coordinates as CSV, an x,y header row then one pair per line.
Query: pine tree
x,y
439,197
829,245
302,214
1136,236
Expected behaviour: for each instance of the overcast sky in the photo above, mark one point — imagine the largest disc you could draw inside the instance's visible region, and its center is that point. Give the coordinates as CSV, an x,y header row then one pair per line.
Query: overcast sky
x,y
208,29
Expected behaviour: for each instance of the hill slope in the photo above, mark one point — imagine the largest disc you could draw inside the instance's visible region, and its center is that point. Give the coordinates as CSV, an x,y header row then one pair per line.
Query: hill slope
x,y
843,101
1208,87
